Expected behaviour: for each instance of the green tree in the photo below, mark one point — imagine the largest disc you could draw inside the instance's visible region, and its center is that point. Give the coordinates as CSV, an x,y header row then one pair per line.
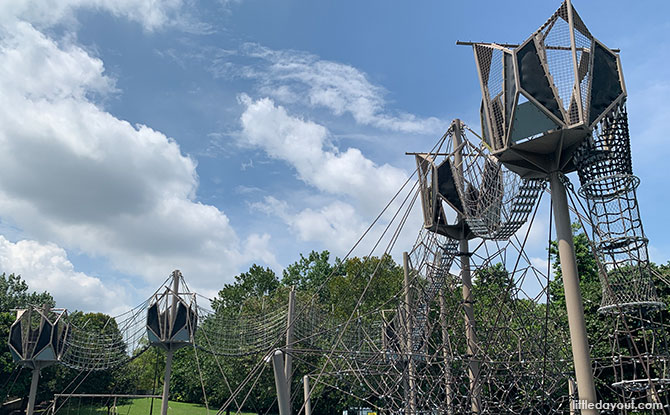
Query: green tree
x,y
14,293
311,273
256,283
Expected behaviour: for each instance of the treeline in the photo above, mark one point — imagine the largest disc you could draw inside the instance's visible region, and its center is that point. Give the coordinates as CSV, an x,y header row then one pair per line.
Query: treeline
x,y
337,286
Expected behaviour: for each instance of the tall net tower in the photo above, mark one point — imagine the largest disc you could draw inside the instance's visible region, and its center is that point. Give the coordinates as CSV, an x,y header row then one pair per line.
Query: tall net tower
x,y
556,104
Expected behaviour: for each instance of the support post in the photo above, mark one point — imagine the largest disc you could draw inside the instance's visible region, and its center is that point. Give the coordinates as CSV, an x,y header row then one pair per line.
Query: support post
x,y
33,390
571,393
573,298
307,392
470,333
170,352
290,328
166,381
283,396
468,309
448,391
411,376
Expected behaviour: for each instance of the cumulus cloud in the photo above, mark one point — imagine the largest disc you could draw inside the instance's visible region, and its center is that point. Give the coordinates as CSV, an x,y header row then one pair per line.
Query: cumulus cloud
x,y
150,14
355,188
298,77
45,267
79,177
336,224
305,145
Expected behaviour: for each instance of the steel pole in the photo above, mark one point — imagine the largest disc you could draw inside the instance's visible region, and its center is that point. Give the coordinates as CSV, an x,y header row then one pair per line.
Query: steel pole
x,y
306,392
411,376
470,333
283,397
573,297
290,327
166,381
466,277
170,352
33,390
571,393
448,391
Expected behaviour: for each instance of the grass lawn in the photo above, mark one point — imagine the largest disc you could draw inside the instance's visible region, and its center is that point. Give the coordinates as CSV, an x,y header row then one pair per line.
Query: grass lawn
x,y
140,406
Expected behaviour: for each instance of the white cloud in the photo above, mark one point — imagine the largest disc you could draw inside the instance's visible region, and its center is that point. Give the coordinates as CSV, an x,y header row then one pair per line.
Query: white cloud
x,y
293,76
305,145
151,14
45,267
336,224
76,175
352,188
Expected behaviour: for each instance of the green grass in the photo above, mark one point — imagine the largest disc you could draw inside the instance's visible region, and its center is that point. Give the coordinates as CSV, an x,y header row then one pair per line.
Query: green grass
x,y
140,406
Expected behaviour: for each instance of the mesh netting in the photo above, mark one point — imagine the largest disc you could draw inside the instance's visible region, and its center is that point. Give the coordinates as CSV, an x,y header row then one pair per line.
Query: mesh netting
x,y
108,344
605,172
496,201
422,363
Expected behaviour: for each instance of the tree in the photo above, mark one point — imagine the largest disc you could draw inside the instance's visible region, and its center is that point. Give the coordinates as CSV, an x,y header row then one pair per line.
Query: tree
x,y
253,284
14,294
312,272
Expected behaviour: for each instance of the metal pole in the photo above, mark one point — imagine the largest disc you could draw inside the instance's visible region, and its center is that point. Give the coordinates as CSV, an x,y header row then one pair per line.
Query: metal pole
x,y
470,334
571,393
445,353
290,327
306,391
33,390
170,352
468,310
166,382
283,397
411,376
573,297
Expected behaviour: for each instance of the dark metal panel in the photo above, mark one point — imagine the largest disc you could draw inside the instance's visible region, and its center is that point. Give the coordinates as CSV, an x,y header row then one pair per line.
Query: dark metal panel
x,y
534,80
180,319
44,338
15,340
152,320
605,85
447,187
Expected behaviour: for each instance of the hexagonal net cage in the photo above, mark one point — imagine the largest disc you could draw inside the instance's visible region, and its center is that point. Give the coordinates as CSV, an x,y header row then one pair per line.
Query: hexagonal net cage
x,y
172,319
37,337
555,86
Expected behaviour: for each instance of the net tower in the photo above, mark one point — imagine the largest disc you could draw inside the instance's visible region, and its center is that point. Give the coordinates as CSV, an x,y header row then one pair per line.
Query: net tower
x,y
557,103
553,105
171,324
37,340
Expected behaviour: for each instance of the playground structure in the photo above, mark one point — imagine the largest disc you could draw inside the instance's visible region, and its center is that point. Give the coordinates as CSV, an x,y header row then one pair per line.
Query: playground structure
x,y
553,105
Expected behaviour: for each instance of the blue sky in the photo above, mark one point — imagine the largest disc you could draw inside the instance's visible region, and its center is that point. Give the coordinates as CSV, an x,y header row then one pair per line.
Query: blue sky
x,y
139,137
